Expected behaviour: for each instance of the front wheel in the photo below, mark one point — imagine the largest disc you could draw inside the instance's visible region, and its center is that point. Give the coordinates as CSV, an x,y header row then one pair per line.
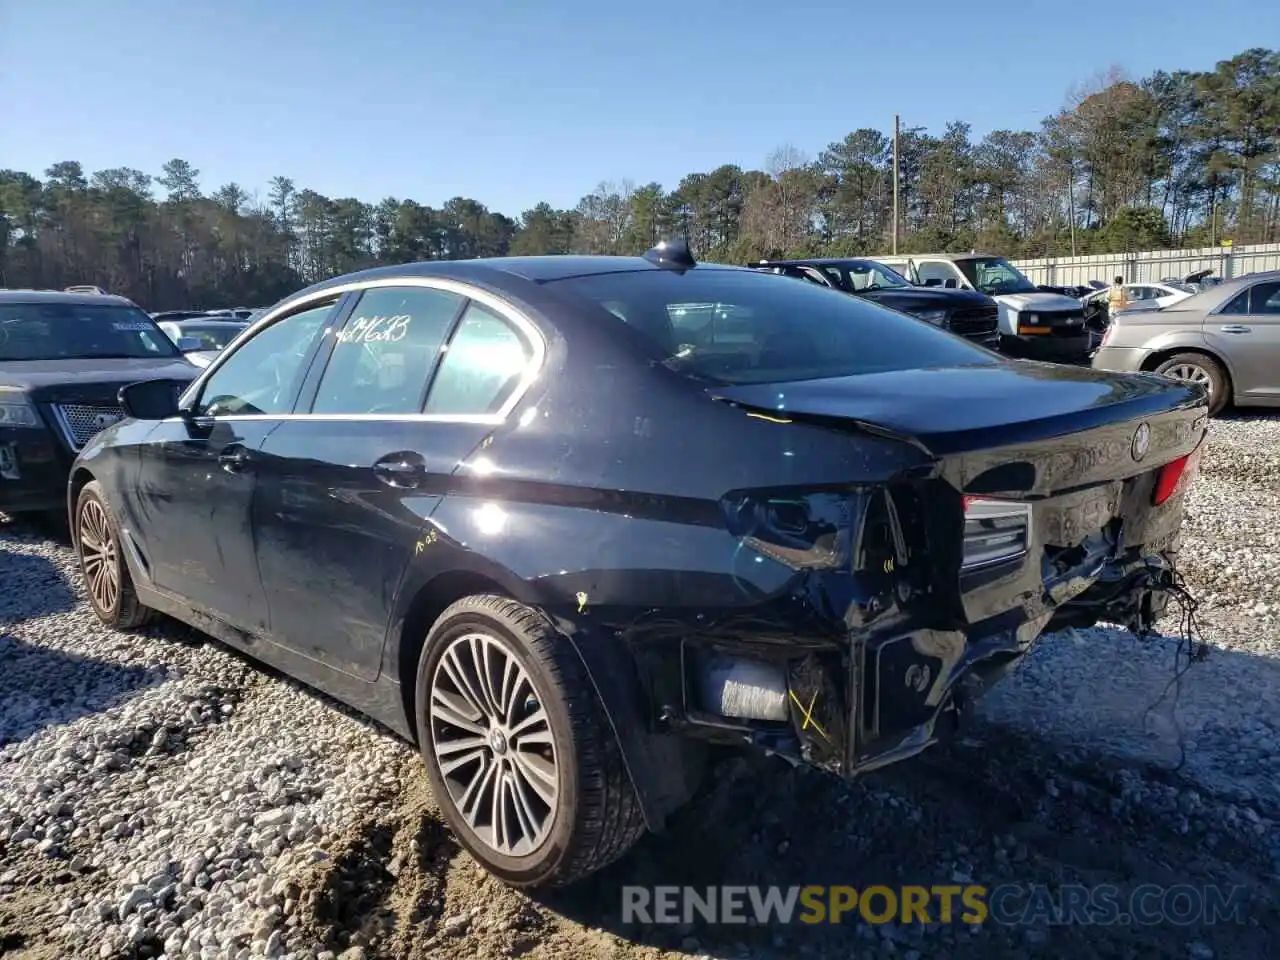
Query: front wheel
x,y
106,575
519,752
1202,369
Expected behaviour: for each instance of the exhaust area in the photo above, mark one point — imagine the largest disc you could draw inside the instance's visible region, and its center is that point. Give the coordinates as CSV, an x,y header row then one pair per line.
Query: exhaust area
x,y
743,689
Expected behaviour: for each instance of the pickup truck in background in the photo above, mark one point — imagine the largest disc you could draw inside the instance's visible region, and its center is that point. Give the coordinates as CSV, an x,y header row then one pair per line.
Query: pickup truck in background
x,y
971,315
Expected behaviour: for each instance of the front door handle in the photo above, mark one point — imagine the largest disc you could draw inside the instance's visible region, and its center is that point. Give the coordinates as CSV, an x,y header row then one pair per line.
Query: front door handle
x,y
1235,328
404,469
233,458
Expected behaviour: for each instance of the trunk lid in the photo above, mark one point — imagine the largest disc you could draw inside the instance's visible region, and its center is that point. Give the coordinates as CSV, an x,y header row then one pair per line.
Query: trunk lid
x,y
1011,427
1041,476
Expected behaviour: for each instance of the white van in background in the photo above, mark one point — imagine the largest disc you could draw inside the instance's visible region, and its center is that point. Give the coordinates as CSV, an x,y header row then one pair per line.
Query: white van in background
x,y
1033,324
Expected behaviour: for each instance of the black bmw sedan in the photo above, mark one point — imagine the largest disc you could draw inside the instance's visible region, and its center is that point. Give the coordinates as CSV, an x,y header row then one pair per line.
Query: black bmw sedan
x,y
565,521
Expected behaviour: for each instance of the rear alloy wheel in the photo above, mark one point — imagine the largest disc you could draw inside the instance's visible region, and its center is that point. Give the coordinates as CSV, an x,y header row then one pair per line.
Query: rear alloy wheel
x,y
1202,369
106,576
519,752
493,744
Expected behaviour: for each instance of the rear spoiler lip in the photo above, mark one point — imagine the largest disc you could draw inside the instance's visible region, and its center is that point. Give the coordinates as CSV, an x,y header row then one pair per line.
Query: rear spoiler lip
x,y
821,420
959,442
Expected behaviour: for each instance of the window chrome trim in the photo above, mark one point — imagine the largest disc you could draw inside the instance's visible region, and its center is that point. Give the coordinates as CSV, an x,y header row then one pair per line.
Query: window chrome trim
x,y
526,327
491,419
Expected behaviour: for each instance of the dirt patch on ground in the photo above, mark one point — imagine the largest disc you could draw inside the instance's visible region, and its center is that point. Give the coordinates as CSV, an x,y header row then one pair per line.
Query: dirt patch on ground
x,y
1002,809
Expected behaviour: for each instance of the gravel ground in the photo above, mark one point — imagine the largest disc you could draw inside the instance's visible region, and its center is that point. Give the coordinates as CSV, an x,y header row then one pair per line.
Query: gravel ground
x,y
162,796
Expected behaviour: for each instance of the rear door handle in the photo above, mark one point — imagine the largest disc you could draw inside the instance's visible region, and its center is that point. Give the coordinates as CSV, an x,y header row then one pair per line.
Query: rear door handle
x,y
1235,328
404,469
233,458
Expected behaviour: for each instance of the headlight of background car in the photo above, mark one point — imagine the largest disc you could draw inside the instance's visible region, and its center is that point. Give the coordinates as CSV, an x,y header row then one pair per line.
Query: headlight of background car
x,y
937,317
16,412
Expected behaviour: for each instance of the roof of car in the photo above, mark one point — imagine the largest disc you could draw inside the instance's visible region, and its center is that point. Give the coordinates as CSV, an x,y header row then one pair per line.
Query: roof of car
x,y
59,296
937,256
232,321
807,261
537,269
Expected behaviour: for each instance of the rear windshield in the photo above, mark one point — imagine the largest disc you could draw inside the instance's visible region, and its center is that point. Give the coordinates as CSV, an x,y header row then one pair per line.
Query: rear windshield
x,y
69,331
731,326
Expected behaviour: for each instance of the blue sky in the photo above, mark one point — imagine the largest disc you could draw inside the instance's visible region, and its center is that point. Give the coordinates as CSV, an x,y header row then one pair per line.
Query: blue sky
x,y
517,101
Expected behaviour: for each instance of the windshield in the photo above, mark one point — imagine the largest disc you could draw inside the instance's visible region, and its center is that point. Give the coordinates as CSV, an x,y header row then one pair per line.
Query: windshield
x,y
995,275
860,275
68,331
730,326
212,336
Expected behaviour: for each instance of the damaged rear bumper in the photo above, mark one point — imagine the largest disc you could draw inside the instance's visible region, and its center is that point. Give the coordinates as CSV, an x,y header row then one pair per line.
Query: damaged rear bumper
x,y
887,694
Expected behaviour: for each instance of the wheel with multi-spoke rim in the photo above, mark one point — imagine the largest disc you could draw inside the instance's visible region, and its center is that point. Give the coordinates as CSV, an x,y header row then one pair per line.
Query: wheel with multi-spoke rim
x,y
106,575
1202,369
519,752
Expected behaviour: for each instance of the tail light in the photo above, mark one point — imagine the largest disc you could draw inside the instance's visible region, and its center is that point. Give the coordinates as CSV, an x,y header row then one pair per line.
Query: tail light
x,y
995,531
1176,476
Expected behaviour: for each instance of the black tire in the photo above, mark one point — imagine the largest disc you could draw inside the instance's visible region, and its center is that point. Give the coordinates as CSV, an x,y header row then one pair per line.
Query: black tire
x,y
122,609
597,816
1213,376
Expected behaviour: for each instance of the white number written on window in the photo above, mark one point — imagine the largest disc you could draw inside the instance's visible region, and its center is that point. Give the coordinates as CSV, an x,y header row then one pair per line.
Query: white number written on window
x,y
376,329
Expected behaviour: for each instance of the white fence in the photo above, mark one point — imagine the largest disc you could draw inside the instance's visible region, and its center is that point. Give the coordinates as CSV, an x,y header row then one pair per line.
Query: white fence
x,y
1226,262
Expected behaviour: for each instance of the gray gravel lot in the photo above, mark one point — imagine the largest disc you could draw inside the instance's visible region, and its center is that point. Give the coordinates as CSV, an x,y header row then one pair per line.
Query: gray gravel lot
x,y
162,796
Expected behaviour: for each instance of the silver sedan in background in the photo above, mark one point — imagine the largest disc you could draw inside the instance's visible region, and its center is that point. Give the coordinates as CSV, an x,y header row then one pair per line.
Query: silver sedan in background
x,y
1226,337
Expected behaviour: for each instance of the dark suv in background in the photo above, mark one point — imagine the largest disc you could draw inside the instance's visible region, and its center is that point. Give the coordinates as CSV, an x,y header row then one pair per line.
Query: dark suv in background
x,y
972,315
63,359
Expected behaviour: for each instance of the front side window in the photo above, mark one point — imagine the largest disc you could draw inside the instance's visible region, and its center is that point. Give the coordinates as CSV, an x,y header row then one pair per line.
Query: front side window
x,y
384,354
482,365
72,331
1265,298
1239,304
727,326
262,375
995,275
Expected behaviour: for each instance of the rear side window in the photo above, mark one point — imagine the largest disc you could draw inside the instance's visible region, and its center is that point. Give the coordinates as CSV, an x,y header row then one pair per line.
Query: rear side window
x,y
482,365
732,326
384,354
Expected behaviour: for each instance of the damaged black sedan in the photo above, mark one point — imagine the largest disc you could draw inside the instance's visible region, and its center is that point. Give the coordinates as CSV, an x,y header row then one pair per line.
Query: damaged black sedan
x,y
566,521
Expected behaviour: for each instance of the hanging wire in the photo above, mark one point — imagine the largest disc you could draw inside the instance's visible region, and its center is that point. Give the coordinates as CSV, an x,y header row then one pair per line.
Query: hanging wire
x,y
1191,648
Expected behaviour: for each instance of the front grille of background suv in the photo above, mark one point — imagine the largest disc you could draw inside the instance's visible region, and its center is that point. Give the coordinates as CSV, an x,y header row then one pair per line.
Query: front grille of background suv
x,y
976,322
81,422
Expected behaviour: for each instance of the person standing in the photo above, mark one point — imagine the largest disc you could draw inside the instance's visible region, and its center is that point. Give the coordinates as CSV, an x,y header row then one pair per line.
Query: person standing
x,y
1117,298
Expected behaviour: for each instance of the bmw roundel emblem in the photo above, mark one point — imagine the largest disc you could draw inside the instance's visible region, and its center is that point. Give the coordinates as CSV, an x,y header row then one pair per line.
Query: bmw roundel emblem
x,y
1141,441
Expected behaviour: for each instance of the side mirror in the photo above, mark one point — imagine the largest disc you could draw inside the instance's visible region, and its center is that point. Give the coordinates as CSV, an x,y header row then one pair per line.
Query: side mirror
x,y
188,344
151,399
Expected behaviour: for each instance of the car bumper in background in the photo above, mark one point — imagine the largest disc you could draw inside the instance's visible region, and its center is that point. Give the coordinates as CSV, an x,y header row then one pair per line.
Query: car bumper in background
x,y
1119,359
1057,349
33,471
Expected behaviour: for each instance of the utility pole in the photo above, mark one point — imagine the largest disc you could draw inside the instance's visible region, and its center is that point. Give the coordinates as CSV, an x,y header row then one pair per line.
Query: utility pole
x,y
1213,215
895,183
1071,203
